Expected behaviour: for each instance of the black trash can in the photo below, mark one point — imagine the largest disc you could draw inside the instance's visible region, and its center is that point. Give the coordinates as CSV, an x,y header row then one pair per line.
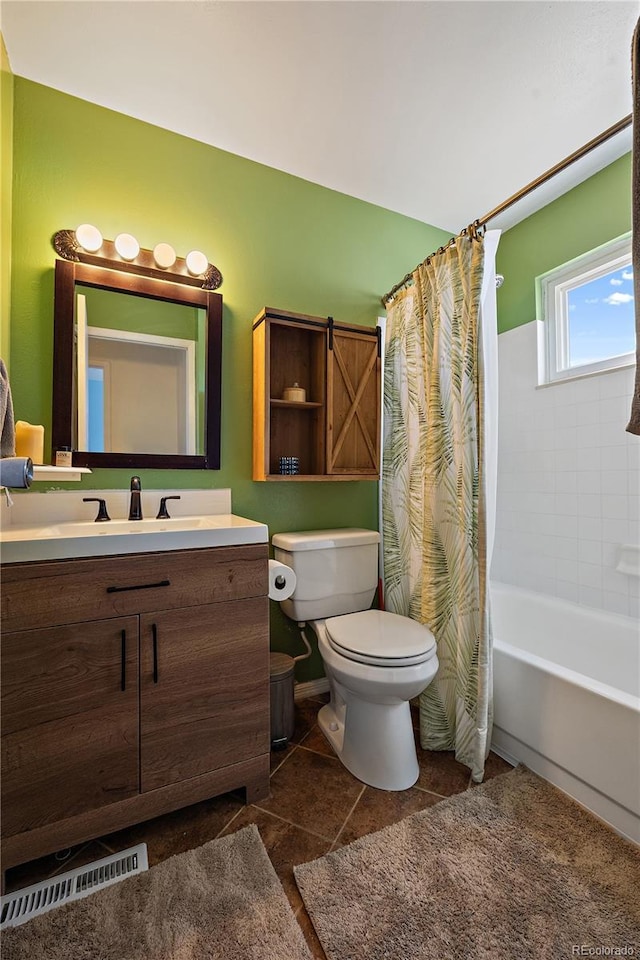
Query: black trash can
x,y
281,671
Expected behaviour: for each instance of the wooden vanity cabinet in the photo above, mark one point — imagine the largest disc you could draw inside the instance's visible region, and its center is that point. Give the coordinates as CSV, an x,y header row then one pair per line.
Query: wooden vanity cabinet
x,y
335,431
161,702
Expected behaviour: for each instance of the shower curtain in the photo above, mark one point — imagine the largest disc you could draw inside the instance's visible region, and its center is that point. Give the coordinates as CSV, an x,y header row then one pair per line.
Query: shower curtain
x,y
439,478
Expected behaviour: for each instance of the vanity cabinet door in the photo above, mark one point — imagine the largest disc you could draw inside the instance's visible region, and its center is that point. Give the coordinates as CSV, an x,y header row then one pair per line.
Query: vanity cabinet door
x,y
69,720
204,689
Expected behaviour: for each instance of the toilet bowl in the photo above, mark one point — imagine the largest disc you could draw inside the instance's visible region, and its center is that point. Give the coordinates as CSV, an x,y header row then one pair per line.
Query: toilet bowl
x,y
368,720
375,661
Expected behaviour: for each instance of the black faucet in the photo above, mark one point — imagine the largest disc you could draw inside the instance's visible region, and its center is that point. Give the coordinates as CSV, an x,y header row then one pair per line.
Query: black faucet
x,y
135,507
102,509
163,513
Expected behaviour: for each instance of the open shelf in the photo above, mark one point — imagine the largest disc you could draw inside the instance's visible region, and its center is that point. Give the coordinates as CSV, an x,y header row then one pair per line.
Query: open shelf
x,y
308,404
47,472
315,477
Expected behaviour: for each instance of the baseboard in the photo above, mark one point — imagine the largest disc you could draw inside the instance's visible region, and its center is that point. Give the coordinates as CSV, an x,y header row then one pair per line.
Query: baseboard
x,y
311,688
501,752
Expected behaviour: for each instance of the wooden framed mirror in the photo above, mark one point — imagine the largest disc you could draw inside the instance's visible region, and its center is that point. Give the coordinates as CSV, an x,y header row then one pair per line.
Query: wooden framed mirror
x,y
137,369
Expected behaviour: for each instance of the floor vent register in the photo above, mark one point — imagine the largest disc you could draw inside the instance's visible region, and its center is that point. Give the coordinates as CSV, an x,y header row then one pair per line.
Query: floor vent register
x,y
22,905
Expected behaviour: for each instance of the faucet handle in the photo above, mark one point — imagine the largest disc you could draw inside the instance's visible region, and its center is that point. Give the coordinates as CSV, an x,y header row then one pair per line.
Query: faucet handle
x,y
163,513
102,509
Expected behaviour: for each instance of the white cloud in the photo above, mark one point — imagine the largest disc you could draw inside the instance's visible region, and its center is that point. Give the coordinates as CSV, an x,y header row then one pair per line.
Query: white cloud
x,y
616,299
627,274
615,282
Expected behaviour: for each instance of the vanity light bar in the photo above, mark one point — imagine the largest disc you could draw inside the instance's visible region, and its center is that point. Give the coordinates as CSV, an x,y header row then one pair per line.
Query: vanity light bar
x,y
124,253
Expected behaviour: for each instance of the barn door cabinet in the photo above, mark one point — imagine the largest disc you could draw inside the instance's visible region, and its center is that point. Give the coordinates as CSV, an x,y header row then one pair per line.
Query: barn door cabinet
x,y
131,686
335,431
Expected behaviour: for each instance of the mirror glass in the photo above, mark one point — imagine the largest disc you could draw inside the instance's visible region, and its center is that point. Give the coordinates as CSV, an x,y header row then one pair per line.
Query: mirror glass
x,y
140,374
137,369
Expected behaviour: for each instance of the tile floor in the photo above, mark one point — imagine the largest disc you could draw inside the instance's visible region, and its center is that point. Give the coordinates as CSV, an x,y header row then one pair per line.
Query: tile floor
x,y
315,806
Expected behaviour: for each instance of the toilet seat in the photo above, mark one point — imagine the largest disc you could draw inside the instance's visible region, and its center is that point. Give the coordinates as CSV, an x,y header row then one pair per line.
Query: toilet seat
x,y
381,639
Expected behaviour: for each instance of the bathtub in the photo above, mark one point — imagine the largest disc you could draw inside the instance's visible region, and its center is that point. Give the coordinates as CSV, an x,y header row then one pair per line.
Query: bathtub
x,y
566,699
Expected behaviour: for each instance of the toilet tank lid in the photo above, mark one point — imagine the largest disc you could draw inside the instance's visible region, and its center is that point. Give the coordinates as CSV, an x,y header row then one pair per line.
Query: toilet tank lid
x,y
324,539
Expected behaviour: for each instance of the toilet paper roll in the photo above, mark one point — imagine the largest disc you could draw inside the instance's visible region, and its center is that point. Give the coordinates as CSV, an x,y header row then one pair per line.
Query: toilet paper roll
x,y
17,472
282,580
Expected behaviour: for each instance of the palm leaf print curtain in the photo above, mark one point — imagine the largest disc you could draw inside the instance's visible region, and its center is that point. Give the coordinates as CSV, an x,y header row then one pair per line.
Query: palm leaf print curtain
x,y
433,500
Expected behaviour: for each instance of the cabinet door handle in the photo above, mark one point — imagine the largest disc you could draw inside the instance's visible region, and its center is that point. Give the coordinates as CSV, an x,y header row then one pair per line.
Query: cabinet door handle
x,y
139,586
123,661
154,632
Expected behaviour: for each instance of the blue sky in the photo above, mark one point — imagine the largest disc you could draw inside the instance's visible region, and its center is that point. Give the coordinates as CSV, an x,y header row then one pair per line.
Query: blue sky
x,y
601,317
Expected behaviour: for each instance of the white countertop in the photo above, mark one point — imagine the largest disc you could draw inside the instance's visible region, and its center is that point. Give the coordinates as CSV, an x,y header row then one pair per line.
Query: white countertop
x,y
49,528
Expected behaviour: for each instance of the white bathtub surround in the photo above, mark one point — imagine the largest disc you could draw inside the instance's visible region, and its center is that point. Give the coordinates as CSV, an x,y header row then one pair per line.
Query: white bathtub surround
x,y
567,699
439,481
568,481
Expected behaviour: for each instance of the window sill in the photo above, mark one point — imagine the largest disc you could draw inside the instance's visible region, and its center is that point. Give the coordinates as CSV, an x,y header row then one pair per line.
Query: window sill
x,y
585,376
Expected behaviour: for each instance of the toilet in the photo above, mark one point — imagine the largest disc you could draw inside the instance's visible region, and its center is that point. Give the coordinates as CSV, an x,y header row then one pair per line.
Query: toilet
x,y
375,661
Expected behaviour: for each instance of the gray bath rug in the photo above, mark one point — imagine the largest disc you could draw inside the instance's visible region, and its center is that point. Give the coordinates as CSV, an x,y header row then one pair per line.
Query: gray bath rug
x,y
222,901
510,870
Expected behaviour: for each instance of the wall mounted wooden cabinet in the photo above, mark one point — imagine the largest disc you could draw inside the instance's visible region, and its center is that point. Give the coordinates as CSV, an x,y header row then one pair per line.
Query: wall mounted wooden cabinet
x,y
335,432
131,686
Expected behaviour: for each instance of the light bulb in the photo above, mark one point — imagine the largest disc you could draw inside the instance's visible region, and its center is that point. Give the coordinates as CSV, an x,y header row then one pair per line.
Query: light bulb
x,y
89,237
197,263
164,255
127,246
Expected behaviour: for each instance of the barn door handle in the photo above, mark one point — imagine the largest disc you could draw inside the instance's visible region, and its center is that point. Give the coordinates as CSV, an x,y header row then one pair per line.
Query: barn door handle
x,y
154,633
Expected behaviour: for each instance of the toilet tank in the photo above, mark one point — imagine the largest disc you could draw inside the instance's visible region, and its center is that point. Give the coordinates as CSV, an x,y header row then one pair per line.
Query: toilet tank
x,y
336,571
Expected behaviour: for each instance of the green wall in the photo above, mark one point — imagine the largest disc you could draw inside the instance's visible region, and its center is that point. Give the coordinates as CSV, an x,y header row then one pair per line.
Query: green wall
x,y
6,173
592,213
278,240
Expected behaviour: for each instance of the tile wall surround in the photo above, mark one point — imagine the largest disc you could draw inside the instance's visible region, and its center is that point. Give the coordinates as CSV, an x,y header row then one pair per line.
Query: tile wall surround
x,y
568,480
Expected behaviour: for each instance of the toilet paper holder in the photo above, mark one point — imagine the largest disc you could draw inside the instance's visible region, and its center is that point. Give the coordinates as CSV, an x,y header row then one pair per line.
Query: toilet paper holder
x,y
282,580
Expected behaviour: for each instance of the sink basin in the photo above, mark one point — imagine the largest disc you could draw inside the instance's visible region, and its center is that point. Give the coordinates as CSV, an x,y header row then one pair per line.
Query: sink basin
x,y
81,538
86,528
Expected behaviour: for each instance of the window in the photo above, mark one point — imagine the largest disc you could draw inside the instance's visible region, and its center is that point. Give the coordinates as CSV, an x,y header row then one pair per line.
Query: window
x,y
588,312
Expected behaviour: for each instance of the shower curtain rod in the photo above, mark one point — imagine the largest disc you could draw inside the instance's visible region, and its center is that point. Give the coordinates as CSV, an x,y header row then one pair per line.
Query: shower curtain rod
x,y
477,225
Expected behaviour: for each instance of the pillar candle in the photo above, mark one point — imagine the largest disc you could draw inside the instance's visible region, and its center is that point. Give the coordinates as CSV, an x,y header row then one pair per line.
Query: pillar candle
x,y
30,441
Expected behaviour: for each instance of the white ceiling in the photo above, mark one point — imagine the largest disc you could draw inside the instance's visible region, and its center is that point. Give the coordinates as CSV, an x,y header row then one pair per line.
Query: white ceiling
x,y
438,110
